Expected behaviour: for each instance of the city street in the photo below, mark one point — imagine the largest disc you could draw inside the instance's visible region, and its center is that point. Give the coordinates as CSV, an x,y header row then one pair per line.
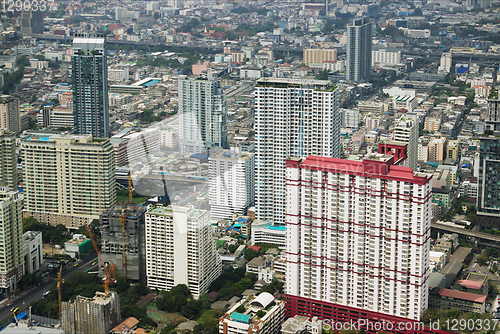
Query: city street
x,y
27,297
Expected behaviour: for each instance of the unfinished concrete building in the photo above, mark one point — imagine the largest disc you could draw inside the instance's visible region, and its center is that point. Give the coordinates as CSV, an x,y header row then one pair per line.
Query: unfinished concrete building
x,y
97,315
112,242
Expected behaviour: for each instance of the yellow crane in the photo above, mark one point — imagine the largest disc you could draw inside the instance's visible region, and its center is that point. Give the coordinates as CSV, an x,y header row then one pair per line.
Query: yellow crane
x,y
130,187
14,311
59,289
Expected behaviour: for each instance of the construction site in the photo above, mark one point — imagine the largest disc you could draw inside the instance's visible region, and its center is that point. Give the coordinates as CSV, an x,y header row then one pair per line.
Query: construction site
x,y
97,315
123,241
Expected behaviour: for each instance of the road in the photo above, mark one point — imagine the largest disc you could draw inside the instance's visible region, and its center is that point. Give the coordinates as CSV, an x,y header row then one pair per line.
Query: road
x,y
36,293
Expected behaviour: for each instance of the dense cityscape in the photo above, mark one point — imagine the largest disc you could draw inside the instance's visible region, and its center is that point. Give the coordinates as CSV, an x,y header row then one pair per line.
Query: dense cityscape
x,y
250,166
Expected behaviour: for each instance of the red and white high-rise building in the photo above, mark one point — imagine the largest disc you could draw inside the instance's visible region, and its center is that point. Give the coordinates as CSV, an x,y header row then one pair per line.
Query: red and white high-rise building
x,y
358,238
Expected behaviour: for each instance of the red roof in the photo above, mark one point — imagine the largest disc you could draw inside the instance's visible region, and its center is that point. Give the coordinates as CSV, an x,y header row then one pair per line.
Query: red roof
x,y
470,284
472,297
255,248
384,170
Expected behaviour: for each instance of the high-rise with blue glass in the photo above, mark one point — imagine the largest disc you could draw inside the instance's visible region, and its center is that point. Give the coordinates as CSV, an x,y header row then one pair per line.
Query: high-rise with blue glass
x,y
90,85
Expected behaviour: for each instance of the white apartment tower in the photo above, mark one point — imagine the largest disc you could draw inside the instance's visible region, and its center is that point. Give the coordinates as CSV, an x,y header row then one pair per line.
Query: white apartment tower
x,y
406,131
68,179
202,115
11,243
358,237
232,183
180,249
446,62
293,117
359,50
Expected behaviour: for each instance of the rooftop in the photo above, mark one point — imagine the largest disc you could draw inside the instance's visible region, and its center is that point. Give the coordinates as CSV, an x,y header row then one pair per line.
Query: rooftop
x,y
472,297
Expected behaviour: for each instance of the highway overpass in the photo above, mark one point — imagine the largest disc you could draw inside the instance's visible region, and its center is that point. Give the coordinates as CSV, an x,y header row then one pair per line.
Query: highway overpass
x,y
482,237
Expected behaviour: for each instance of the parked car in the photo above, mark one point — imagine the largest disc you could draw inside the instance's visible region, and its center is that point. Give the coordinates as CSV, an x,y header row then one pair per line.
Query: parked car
x,y
9,303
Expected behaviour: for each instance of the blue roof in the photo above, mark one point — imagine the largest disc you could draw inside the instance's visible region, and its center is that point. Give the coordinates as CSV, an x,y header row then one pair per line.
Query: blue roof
x,y
240,317
152,82
243,220
199,156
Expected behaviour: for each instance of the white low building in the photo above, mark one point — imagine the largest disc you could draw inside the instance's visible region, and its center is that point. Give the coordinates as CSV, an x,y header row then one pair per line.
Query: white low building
x,y
268,233
262,314
33,251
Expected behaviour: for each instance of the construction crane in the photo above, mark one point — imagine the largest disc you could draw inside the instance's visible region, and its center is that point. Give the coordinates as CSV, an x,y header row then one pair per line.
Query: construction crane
x,y
59,289
124,249
130,187
15,316
109,271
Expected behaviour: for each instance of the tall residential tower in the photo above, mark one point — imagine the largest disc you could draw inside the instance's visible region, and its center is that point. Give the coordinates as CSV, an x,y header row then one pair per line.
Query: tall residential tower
x,y
203,115
358,239
68,179
488,199
90,85
8,159
359,50
293,117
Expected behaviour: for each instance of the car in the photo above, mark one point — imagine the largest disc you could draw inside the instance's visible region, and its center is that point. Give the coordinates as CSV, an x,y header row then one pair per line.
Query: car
x,y
46,293
93,263
75,265
9,303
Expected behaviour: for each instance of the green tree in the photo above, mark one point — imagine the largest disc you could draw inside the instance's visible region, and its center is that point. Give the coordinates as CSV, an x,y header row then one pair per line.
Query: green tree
x,y
322,75
250,254
482,259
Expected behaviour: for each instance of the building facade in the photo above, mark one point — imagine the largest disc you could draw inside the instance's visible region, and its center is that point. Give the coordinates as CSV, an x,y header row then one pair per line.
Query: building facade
x,y
180,249
8,160
56,117
493,115
32,251
319,55
262,314
11,250
406,131
232,183
90,85
10,117
68,179
96,315
32,22
488,200
359,50
350,118
203,116
384,57
293,117
358,237
135,243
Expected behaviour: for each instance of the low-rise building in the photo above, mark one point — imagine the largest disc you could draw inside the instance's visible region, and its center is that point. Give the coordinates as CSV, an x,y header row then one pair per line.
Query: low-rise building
x,y
78,245
466,301
262,314
268,233
33,254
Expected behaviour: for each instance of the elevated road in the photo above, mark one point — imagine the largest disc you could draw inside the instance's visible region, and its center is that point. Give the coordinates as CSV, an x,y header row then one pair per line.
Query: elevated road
x,y
123,178
462,231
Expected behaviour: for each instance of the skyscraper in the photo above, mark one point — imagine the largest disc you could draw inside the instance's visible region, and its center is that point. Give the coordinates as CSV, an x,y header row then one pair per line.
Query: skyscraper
x,y
359,50
90,85
8,159
488,199
358,239
32,22
406,131
10,117
293,117
68,179
180,249
203,115
232,183
11,244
